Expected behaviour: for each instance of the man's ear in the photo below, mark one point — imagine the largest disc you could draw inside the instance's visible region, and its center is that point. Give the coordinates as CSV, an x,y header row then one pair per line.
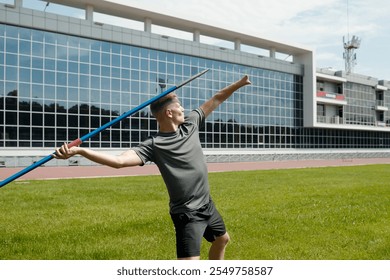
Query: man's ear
x,y
168,113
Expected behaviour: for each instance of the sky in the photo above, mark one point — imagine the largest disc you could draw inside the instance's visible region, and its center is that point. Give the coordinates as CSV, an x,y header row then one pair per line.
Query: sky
x,y
315,24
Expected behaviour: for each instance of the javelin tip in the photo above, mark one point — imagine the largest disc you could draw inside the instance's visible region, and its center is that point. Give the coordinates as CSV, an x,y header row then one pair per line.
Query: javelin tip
x,y
193,78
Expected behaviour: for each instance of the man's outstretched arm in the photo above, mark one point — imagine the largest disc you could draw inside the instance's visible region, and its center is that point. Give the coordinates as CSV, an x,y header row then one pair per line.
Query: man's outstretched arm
x,y
211,104
128,158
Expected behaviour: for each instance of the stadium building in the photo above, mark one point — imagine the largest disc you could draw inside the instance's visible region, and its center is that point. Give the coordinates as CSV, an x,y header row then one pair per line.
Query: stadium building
x,y
61,77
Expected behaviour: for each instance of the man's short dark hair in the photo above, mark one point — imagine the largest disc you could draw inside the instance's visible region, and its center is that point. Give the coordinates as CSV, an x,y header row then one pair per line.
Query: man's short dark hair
x,y
159,104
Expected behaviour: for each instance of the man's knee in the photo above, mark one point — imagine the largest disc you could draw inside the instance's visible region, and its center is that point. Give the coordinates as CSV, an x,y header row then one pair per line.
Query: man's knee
x,y
223,240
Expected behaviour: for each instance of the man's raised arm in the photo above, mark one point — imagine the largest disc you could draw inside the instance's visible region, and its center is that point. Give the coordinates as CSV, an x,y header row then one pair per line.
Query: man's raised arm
x,y
211,104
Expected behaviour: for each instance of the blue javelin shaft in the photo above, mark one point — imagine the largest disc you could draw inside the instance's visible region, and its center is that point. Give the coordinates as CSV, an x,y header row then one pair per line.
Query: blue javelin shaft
x,y
80,140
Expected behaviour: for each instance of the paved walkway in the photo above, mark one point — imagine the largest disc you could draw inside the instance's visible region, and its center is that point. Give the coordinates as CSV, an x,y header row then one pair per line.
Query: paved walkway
x,y
104,171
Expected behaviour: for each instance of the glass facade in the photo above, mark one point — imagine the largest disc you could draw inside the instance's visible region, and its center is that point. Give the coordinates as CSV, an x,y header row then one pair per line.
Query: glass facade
x,y
55,88
361,101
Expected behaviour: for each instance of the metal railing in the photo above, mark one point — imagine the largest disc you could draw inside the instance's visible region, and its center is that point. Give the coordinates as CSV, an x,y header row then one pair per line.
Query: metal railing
x,y
297,155
330,120
230,156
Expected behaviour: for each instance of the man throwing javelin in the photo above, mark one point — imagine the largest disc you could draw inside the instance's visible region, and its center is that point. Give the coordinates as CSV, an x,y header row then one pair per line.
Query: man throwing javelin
x,y
177,151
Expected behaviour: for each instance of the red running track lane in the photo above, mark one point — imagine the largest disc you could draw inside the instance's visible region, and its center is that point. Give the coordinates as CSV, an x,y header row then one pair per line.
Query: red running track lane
x,y
104,171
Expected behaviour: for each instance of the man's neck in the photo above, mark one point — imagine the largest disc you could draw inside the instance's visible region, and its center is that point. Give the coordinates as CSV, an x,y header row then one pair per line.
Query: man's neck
x,y
168,128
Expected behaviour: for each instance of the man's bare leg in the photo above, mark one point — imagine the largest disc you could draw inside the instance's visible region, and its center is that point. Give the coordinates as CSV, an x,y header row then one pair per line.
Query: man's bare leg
x,y
217,249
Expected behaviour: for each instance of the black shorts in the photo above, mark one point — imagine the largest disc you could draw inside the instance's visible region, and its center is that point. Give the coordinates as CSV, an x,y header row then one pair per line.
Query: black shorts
x,y
192,226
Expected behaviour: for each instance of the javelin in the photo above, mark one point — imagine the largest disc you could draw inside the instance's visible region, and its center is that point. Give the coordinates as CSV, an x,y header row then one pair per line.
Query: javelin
x,y
80,140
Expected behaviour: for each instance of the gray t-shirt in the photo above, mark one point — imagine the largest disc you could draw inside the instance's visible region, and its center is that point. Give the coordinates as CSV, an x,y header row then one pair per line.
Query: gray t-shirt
x,y
180,159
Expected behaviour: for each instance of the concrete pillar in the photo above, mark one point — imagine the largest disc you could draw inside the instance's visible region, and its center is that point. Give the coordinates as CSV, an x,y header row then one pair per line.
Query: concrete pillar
x,y
196,36
272,53
148,25
237,44
18,3
89,13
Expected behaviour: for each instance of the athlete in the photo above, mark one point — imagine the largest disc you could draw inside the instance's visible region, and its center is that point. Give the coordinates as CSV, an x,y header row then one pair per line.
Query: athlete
x,y
177,151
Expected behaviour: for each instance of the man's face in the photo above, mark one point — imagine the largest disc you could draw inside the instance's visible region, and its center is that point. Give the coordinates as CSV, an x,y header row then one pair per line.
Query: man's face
x,y
176,112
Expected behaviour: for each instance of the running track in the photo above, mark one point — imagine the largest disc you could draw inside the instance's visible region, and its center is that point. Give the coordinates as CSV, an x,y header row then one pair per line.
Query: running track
x,y
104,171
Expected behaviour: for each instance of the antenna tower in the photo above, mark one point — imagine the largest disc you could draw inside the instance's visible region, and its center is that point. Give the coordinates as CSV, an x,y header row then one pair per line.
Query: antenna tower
x,y
349,54
349,48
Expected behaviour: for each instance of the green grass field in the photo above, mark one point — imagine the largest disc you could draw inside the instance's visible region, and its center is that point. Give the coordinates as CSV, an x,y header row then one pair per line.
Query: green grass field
x,y
296,214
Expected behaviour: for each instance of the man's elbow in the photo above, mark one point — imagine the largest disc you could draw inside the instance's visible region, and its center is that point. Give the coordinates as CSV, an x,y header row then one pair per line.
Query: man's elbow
x,y
126,163
117,166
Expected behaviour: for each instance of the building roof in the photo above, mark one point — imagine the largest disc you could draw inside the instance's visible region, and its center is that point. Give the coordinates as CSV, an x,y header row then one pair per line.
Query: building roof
x,y
113,8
